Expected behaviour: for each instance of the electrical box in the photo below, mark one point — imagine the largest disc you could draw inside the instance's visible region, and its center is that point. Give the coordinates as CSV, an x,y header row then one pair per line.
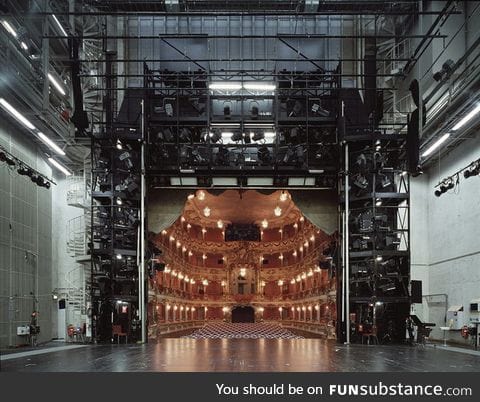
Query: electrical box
x,y
23,330
475,310
455,317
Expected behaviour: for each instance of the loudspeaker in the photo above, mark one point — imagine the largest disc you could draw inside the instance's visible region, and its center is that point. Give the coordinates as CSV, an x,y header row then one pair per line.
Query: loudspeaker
x,y
416,291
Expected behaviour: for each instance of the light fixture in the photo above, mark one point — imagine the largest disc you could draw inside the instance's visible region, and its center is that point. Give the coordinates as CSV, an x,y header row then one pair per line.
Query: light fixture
x,y
277,211
219,224
51,144
225,86
304,275
204,257
190,253
201,195
243,272
118,200
436,144
119,256
379,258
280,283
24,45
467,118
206,211
56,84
292,282
312,237
9,28
472,170
59,25
205,282
191,197
378,202
189,226
60,167
119,145
280,257
258,86
283,196
294,253
264,224
15,113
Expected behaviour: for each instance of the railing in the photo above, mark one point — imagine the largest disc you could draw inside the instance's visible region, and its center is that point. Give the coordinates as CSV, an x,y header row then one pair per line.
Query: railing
x,y
323,329
173,327
77,232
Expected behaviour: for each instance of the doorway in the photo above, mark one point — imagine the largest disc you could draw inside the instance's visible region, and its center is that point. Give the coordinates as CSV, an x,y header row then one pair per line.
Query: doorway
x,y
243,314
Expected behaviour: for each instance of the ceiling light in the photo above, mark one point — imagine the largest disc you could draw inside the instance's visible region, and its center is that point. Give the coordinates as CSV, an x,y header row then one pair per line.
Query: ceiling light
x,y
254,86
60,167
51,144
59,25
225,86
56,84
467,118
206,211
14,112
434,146
277,211
9,28
24,45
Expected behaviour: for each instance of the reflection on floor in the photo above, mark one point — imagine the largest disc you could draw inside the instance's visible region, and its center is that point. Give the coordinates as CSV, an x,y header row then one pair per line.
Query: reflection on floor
x,y
251,355
230,330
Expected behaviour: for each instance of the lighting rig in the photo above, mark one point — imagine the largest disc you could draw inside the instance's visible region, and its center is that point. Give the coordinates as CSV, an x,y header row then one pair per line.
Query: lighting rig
x,y
281,124
449,183
376,231
24,169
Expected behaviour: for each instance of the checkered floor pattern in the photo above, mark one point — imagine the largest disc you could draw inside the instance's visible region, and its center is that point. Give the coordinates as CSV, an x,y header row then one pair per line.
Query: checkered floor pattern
x,y
242,331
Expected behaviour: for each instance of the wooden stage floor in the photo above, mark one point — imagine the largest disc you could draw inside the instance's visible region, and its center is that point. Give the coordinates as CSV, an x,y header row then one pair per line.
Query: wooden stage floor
x,y
241,355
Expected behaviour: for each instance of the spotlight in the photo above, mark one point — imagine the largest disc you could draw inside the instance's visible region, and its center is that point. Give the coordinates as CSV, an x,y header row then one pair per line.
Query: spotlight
x,y
258,136
472,170
23,171
318,109
215,137
237,137
119,201
119,145
446,70
264,155
360,181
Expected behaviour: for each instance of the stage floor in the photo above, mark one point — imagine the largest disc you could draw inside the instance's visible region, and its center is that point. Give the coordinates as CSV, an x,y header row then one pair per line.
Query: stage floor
x,y
240,355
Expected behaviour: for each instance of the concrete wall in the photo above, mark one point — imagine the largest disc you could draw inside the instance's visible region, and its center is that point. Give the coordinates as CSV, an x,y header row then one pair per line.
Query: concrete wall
x,y
25,241
445,244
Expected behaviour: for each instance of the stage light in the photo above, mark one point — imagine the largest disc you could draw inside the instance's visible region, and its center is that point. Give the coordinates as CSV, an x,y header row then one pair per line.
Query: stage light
x,y
378,203
360,181
60,167
435,145
51,144
119,145
59,25
318,109
472,170
118,200
235,137
264,155
24,45
56,84
119,256
257,136
14,112
215,137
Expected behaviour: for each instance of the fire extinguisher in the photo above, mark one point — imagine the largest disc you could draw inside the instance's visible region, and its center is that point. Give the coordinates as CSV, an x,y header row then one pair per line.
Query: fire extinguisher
x,y
464,332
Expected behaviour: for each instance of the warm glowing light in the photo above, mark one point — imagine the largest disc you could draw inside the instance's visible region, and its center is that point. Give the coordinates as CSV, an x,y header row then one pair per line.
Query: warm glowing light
x,y
277,211
182,219
189,226
295,225
190,197
190,253
225,309
305,244
292,282
309,308
243,271
264,224
219,224
184,249
181,308
298,278
280,257
180,276
280,283
164,232
206,211
310,273
192,281
201,195
312,237
302,219
303,308
178,244
204,256
283,196
175,308
171,238
300,249
294,253
204,230
304,275
205,282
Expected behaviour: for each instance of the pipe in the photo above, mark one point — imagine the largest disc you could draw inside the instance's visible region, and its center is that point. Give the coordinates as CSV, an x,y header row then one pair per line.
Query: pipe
x,y
141,279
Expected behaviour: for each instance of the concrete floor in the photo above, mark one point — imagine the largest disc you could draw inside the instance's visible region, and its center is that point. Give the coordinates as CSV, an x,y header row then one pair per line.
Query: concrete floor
x,y
240,355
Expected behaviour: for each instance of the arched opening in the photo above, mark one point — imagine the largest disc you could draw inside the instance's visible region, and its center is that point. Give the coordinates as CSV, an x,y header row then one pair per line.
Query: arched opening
x,y
243,314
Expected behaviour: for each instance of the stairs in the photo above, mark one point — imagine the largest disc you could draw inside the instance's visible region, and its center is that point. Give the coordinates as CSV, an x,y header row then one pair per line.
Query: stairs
x,y
242,331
